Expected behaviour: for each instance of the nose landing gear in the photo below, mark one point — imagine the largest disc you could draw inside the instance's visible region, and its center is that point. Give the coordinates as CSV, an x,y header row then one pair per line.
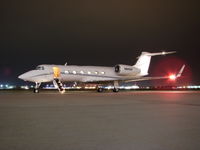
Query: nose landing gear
x,y
36,89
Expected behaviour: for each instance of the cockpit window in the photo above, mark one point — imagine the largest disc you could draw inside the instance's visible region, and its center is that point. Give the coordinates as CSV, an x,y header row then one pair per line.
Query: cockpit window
x,y
39,68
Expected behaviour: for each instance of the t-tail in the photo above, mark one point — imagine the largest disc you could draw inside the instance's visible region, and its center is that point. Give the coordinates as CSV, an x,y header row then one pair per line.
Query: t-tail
x,y
144,61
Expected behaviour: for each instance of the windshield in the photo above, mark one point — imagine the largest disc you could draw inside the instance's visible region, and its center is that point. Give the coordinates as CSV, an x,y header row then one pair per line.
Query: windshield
x,y
40,68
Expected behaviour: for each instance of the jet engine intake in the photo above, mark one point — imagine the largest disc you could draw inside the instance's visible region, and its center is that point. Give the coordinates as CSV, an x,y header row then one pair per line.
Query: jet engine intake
x,y
126,70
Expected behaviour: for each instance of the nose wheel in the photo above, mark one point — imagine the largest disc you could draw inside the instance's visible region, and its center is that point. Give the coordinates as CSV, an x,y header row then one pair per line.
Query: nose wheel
x,y
36,89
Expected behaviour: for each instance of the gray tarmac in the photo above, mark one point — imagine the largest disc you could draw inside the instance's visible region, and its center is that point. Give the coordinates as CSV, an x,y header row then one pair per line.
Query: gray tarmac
x,y
165,120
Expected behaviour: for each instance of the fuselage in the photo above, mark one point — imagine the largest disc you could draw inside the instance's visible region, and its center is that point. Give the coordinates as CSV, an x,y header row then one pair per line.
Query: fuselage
x,y
64,73
46,73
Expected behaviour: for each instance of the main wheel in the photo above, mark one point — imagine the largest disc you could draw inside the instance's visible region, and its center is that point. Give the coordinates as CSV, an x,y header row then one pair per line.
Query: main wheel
x,y
35,91
115,90
100,90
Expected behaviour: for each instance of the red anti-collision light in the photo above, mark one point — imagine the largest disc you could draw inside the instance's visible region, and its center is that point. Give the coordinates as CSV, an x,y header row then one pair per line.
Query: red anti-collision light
x,y
172,77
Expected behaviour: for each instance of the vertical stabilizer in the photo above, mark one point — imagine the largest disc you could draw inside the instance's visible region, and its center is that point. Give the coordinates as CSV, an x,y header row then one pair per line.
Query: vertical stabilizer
x,y
144,61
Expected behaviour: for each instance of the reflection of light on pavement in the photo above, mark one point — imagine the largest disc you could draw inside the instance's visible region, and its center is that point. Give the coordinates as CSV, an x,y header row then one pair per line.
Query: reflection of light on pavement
x,y
26,87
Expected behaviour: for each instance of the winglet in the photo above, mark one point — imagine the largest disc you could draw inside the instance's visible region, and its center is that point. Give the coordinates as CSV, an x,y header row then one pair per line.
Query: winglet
x,y
181,71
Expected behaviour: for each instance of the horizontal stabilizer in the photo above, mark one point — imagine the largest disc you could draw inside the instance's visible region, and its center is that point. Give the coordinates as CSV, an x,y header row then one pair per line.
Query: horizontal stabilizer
x,y
160,53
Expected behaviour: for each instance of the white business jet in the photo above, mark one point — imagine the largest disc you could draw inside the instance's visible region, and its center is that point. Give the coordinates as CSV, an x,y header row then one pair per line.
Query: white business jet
x,y
119,73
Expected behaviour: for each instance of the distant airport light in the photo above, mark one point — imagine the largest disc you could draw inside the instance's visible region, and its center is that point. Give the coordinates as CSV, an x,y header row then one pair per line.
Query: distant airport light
x,y
90,87
24,87
109,87
172,77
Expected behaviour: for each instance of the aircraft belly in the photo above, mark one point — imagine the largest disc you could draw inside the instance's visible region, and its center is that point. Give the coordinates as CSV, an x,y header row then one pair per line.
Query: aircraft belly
x,y
95,79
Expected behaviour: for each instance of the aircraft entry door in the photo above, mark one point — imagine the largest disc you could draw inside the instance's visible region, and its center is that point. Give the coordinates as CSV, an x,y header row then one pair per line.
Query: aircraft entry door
x,y
56,72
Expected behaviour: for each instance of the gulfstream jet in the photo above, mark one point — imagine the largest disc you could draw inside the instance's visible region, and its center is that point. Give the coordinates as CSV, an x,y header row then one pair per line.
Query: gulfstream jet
x,y
97,74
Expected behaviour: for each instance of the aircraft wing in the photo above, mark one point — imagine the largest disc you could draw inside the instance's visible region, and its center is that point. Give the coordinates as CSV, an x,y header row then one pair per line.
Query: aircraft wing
x,y
172,77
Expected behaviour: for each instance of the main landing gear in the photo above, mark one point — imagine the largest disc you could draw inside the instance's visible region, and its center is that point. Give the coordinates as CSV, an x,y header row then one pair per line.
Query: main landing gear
x,y
115,89
36,89
99,89
116,86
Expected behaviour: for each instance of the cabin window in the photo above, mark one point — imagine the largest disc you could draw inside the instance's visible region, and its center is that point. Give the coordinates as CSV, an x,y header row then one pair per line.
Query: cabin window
x,y
89,72
96,72
66,72
102,72
74,72
81,72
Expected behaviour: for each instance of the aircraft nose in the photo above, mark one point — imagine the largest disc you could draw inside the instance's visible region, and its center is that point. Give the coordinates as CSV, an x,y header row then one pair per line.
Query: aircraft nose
x,y
23,76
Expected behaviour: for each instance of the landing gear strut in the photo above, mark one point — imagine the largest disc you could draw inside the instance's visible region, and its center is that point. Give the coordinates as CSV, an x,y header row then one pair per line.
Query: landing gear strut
x,y
36,89
100,88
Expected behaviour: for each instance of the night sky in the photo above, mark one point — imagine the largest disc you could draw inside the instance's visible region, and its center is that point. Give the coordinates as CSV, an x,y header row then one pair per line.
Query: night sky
x,y
97,32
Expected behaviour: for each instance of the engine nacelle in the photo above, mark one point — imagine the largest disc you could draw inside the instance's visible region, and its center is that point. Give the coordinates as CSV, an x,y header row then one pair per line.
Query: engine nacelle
x,y
126,70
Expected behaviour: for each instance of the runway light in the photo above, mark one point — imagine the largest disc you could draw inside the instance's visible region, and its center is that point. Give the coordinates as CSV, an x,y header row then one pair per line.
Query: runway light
x,y
172,77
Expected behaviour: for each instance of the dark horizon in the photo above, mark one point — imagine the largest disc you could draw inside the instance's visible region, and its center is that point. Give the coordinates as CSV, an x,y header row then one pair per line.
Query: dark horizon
x,y
99,33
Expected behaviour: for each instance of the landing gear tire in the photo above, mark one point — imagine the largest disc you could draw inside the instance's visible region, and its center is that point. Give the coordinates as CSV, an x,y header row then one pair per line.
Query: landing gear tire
x,y
115,90
36,91
100,90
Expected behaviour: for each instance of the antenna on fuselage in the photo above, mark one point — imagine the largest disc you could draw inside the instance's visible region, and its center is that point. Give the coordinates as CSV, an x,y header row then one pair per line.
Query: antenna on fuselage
x,y
66,64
